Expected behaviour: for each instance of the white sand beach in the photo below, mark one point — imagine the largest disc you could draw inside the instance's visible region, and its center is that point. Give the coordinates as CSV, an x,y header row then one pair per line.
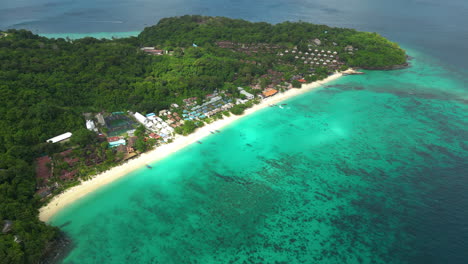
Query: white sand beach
x,y
71,195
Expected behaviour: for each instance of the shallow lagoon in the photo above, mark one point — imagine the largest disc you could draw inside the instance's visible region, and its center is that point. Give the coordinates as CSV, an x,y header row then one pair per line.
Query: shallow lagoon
x,y
355,172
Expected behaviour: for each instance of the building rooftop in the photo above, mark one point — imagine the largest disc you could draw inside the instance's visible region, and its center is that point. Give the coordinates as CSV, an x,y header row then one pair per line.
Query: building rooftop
x,y
42,170
269,92
59,138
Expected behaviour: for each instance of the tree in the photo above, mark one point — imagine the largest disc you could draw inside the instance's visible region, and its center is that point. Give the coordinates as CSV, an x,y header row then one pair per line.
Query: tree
x,y
238,109
296,84
140,145
82,137
187,128
140,131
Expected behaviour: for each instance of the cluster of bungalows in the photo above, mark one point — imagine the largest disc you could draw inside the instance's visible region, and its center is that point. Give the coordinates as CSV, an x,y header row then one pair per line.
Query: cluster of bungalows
x,y
314,57
190,101
45,168
248,48
215,105
173,118
155,124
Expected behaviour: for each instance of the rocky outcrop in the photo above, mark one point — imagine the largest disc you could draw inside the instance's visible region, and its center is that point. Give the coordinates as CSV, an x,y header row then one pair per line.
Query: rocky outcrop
x,y
57,250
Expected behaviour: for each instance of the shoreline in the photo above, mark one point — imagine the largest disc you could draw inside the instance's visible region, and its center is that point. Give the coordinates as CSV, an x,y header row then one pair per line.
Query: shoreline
x,y
75,193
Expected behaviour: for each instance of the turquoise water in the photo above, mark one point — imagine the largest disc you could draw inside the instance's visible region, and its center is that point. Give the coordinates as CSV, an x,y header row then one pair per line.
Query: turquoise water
x,y
352,173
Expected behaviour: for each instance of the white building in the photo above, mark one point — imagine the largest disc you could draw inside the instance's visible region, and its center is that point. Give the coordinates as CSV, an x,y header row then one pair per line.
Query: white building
x,y
248,95
100,119
140,118
240,101
91,126
151,116
59,138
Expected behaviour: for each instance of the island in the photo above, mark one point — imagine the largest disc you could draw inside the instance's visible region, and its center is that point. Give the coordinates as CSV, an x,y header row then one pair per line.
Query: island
x,y
73,109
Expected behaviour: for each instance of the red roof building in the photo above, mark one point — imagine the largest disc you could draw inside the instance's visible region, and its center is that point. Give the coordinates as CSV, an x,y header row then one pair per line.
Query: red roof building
x,y
112,139
269,92
42,168
155,136
67,175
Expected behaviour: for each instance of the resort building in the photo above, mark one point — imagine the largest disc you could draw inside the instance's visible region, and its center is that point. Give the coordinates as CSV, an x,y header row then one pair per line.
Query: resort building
x,y
248,95
131,144
91,126
240,101
152,51
207,109
140,118
43,172
60,138
157,124
269,92
100,119
117,143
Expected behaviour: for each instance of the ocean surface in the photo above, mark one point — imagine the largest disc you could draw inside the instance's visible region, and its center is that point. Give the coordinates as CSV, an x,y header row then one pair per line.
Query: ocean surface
x,y
367,169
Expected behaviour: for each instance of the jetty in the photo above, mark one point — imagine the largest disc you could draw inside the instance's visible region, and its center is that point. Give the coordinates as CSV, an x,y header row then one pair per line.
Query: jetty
x,y
353,72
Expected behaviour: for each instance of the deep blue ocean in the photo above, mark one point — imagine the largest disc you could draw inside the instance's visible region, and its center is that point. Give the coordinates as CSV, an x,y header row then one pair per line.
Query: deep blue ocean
x,y
369,169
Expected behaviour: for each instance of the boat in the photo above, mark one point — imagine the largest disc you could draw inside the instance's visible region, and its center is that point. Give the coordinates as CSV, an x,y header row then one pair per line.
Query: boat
x,y
199,142
212,132
272,105
284,104
218,131
148,166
